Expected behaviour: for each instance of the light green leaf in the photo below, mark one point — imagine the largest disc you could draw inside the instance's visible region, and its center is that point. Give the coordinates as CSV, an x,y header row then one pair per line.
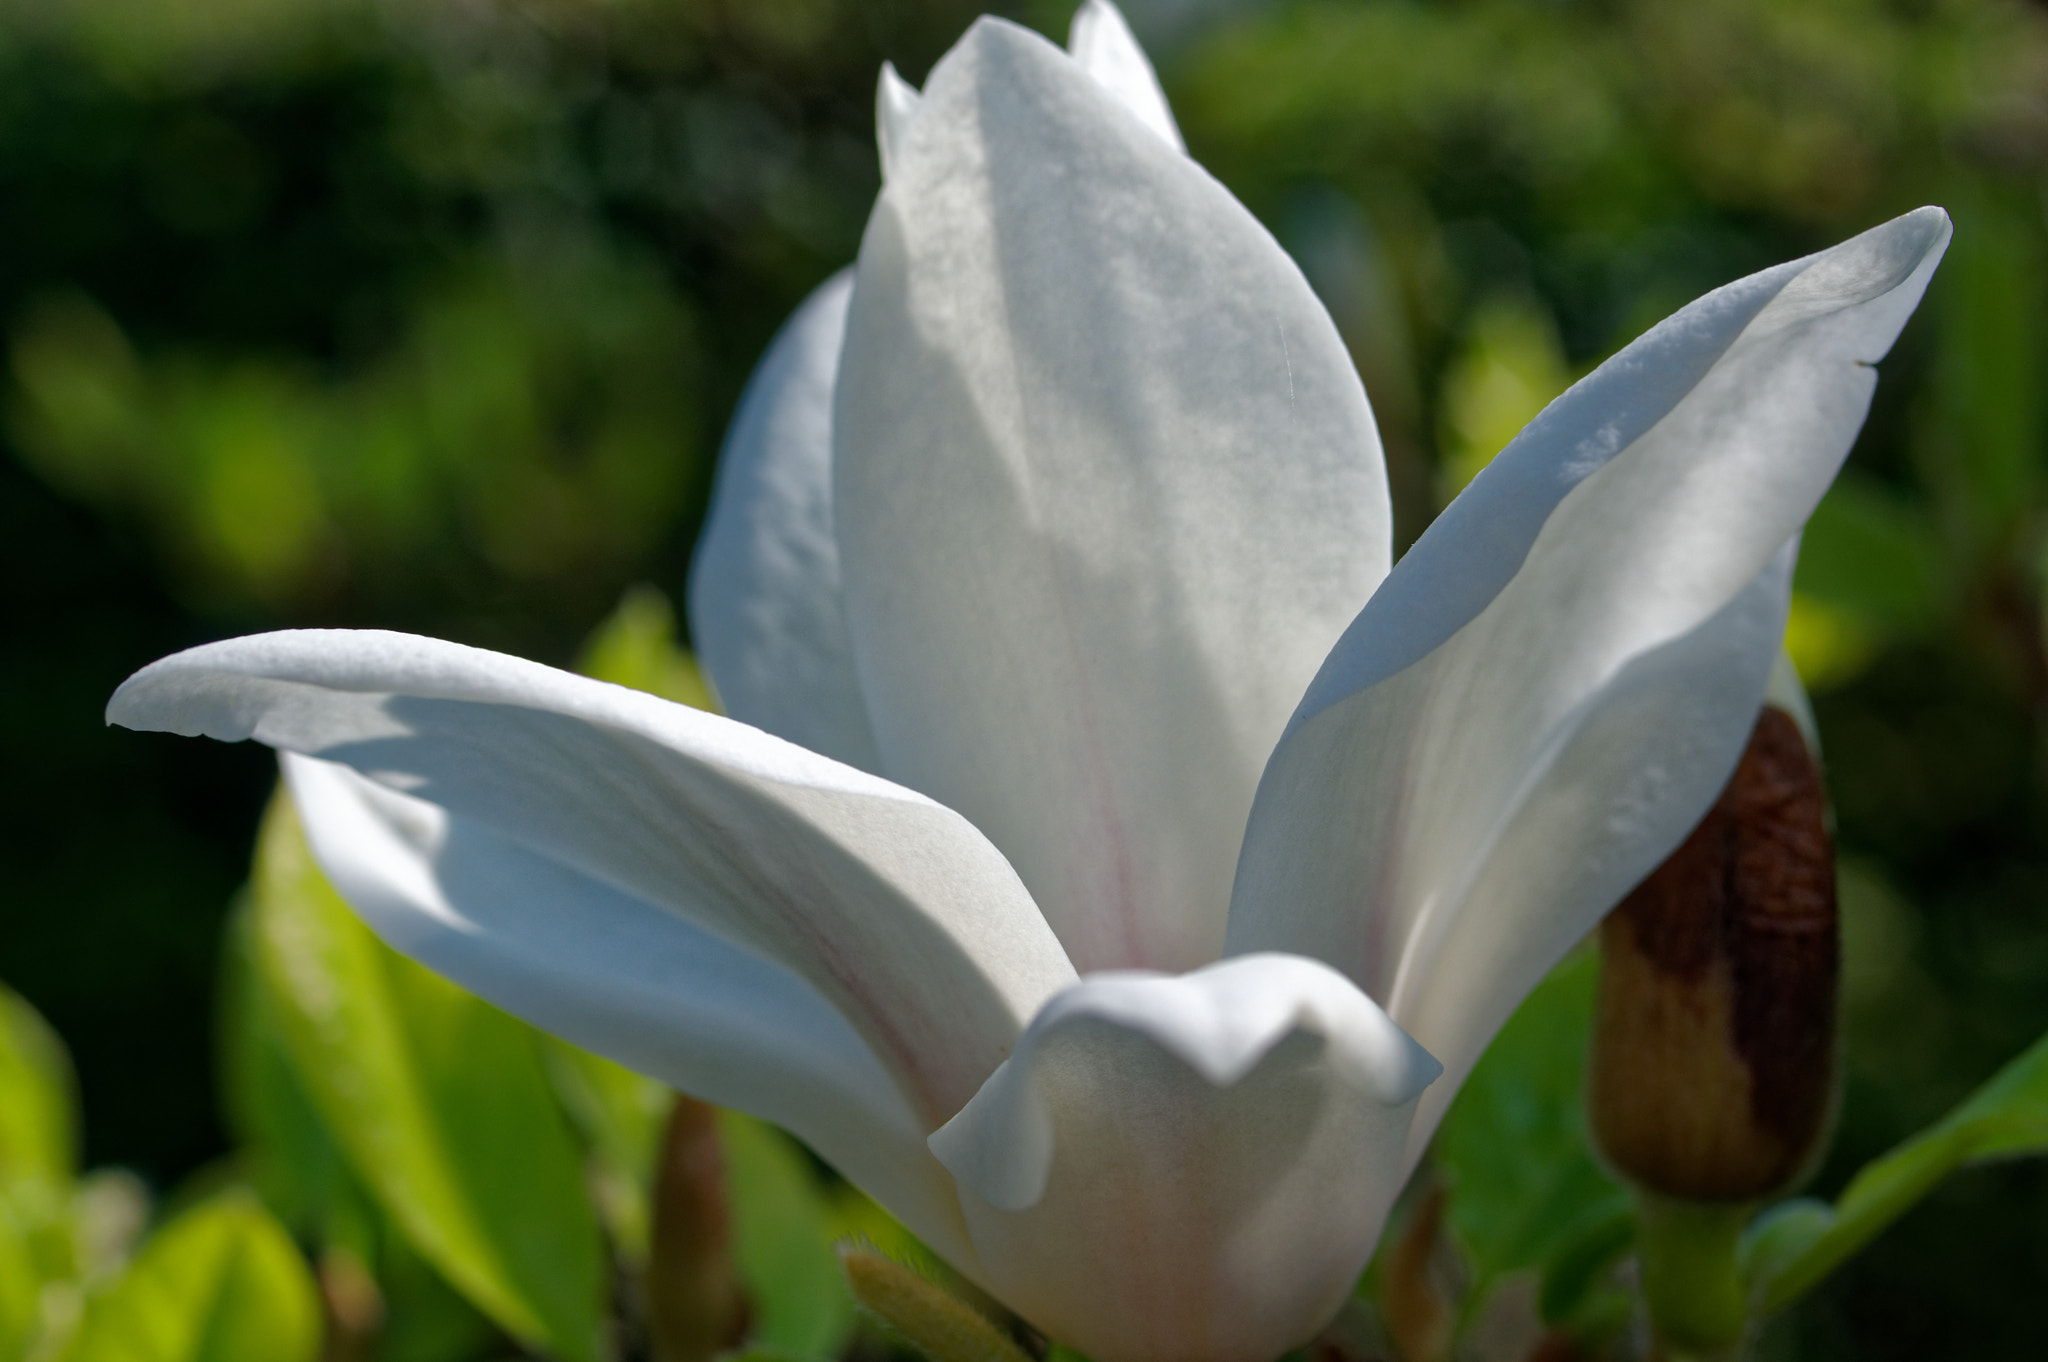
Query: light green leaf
x,y
439,1100
1873,556
1508,369
1794,1246
619,1114
21,1282
38,1128
783,1233
293,1159
221,1283
637,647
1524,1189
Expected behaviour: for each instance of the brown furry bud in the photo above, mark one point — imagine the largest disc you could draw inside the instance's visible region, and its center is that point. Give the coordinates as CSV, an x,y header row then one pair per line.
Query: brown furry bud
x,y
1711,1076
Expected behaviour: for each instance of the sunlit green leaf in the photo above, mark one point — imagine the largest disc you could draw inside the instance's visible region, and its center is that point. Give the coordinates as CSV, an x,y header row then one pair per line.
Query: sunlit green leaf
x,y
1524,1189
1509,369
21,1283
299,1168
439,1100
637,647
38,1136
291,1156
783,1232
1787,1251
221,1283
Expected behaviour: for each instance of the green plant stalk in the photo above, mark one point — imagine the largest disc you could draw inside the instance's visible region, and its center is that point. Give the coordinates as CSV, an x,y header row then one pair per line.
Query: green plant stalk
x,y
1699,1311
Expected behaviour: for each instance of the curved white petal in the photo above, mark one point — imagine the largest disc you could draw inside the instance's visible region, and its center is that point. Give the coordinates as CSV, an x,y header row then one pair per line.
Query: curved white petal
x,y
766,612
1188,1168
1107,489
892,907
1629,777
1558,678
1104,46
620,976
896,104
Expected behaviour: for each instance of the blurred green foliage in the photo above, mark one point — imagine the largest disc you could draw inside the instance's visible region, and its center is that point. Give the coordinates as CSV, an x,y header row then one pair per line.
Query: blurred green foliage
x,y
418,1083
221,1282
1525,1192
430,316
374,1207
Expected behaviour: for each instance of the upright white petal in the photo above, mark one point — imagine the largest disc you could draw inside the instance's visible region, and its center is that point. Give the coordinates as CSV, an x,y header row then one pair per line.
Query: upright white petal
x,y
1554,684
1600,812
625,978
766,610
892,907
1189,1169
1107,490
896,102
1104,46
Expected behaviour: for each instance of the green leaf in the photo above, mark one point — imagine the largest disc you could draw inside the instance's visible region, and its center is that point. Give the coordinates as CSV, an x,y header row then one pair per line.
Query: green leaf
x,y
221,1283
291,1156
425,1319
1508,369
1574,1271
298,1167
38,1128
1795,1245
1525,1191
21,1282
1981,442
439,1100
1872,556
637,647
783,1232
619,1114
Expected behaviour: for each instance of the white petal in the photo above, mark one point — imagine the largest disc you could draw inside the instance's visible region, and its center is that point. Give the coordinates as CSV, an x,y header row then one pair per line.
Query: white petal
x,y
1188,1168
892,907
1631,775
620,976
1106,49
895,105
1107,489
1554,684
766,612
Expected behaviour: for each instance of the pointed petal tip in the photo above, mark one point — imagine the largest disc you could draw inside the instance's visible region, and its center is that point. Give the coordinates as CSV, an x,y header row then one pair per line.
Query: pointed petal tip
x,y
896,101
1102,44
170,695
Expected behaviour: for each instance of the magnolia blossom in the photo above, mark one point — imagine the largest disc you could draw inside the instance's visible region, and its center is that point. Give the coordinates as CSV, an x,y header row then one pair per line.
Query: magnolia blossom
x,y
1110,864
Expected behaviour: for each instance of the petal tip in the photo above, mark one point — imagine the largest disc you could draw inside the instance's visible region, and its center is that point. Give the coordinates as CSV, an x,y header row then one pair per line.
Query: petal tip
x,y
896,101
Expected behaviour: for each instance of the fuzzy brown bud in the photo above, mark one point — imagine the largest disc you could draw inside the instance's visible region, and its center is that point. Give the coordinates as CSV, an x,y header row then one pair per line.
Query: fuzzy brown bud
x,y
1711,1077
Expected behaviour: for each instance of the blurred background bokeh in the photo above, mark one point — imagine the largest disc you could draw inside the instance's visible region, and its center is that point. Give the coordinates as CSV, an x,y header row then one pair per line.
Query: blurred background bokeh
x,y
430,315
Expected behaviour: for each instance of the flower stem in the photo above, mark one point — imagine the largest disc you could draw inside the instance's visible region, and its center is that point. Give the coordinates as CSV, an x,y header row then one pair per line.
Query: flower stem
x,y
1699,1311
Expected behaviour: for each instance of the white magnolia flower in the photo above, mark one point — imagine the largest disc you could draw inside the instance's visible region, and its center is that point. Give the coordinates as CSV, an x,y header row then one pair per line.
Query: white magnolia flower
x,y
1146,864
